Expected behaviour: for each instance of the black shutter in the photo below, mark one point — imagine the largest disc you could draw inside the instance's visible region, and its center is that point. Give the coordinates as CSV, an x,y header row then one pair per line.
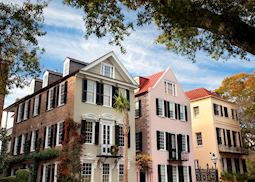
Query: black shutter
x,y
157,106
84,91
36,139
170,146
97,133
117,133
19,144
186,113
55,98
190,174
179,144
140,108
240,140
224,137
180,171
51,135
169,173
55,134
165,108
30,140
221,111
141,141
22,111
39,104
158,146
128,98
28,109
63,133
188,143
168,109
159,177
179,111
176,111
44,137
99,93
47,99
17,113
129,142
215,109
65,92
83,130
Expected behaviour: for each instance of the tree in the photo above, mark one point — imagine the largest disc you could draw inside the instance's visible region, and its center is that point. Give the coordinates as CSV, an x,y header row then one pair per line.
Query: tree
x,y
240,88
4,139
221,28
20,27
121,105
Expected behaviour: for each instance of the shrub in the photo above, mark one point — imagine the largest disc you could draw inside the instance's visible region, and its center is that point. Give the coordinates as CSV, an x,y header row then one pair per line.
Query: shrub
x,y
8,179
241,177
227,176
23,175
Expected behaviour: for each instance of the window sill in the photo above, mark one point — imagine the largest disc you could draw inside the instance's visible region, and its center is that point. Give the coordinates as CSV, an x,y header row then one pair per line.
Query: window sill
x,y
162,150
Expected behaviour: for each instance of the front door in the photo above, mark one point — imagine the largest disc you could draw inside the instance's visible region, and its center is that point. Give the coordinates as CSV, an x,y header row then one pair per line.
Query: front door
x,y
106,139
142,176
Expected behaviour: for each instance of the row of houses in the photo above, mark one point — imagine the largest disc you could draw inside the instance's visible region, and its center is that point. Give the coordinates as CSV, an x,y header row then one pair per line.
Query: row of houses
x,y
179,131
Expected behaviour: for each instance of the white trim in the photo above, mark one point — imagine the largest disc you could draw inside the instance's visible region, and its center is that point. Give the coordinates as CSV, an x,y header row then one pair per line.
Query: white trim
x,y
57,137
32,145
110,172
15,146
22,145
103,67
89,116
107,116
59,93
94,92
106,56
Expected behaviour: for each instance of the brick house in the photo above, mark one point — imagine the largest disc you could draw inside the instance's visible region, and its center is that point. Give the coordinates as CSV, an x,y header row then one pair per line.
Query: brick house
x,y
85,93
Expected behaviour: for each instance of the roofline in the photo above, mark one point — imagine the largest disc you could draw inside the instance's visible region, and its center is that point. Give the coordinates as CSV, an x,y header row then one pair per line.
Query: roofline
x,y
211,96
39,91
77,61
55,72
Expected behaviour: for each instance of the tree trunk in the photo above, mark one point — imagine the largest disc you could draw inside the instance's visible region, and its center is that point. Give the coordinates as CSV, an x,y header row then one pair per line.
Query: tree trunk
x,y
1,108
126,130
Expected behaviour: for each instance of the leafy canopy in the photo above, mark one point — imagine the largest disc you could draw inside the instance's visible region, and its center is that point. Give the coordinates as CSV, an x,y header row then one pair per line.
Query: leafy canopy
x,y
20,27
221,28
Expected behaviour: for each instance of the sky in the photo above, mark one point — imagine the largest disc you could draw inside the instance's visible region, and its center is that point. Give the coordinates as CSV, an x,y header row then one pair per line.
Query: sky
x,y
65,37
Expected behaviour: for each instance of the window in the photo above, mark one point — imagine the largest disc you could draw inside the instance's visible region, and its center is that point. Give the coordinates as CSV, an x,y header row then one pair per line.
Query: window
x,y
163,173
218,133
66,67
60,133
184,143
91,90
170,88
173,142
86,172
160,107
216,109
237,165
172,110
234,138
175,173
107,70
162,143
138,109
186,173
226,112
45,79
89,130
49,173
22,144
223,164
138,139
50,99
33,141
229,165
182,113
121,136
61,99
199,138
36,105
20,112
106,173
26,110
48,136
107,95
121,172
233,113
196,111
15,151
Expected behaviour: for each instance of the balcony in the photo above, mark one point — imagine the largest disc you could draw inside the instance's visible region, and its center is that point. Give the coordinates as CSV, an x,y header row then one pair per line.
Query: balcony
x,y
110,151
234,150
184,157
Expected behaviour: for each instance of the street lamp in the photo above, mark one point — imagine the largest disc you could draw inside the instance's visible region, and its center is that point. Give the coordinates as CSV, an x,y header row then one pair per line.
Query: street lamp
x,y
214,160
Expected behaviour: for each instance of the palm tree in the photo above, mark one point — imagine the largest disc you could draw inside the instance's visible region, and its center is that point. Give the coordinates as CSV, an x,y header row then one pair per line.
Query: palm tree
x,y
121,105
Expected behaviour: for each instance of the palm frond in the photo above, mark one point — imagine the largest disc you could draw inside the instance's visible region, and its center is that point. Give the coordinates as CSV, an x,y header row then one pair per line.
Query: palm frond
x,y
121,104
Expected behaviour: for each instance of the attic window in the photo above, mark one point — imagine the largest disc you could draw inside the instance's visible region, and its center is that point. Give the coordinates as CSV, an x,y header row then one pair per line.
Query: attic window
x,y
66,67
107,70
45,79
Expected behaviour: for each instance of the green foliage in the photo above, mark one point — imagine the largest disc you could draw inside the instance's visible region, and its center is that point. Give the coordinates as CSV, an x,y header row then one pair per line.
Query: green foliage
x,y
4,138
241,177
8,179
121,104
251,167
22,175
227,176
186,26
20,27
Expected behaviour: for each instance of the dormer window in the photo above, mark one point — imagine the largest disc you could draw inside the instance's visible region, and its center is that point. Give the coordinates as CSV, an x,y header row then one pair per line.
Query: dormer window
x,y
170,88
45,79
107,70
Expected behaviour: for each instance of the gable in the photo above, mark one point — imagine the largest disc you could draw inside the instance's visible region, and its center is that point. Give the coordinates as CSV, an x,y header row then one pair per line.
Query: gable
x,y
120,72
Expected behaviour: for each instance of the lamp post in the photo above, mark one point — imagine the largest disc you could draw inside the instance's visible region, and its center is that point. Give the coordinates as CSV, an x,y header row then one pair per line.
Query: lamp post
x,y
214,160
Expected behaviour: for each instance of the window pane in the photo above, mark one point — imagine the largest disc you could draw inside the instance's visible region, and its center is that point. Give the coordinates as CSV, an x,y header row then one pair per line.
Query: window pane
x,y
86,172
90,91
107,95
162,140
88,132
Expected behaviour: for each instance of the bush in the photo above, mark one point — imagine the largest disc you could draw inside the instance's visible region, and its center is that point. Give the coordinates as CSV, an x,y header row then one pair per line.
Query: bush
x,y
8,179
23,175
241,177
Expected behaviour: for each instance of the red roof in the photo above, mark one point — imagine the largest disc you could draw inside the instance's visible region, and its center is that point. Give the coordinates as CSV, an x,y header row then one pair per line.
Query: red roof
x,y
200,93
148,82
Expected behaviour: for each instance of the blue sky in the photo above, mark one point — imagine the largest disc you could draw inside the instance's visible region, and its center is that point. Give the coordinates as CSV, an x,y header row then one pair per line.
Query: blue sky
x,y
65,37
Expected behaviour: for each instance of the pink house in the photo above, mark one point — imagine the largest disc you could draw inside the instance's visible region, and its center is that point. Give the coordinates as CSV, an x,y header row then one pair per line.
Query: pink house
x,y
163,129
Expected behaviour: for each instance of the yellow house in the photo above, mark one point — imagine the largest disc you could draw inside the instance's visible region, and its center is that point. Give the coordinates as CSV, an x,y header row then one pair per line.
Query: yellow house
x,y
216,132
